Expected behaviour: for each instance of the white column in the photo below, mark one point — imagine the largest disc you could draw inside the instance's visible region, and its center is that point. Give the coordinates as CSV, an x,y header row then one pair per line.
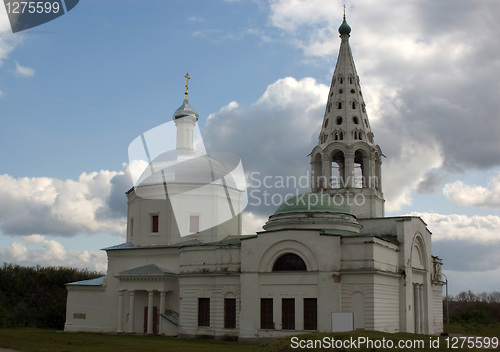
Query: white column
x,y
120,311
349,170
326,176
416,308
422,315
162,308
131,311
150,311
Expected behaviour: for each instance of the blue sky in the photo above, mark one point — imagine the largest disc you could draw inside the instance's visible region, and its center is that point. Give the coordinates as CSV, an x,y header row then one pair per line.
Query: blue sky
x,y
76,91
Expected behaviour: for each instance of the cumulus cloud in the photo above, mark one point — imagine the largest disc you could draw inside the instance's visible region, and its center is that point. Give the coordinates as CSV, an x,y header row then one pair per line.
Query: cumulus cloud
x,y
417,60
481,229
252,223
466,243
431,182
38,250
49,206
404,171
474,195
24,71
272,136
8,40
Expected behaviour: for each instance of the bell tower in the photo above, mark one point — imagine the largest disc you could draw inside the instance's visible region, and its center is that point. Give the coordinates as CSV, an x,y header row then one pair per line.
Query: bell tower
x,y
346,163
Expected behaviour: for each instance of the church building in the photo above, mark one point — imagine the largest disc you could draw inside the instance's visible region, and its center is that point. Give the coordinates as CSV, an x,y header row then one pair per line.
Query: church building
x,y
325,261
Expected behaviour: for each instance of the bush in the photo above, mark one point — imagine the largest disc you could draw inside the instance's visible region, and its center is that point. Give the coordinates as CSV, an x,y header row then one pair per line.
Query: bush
x,y
472,316
36,296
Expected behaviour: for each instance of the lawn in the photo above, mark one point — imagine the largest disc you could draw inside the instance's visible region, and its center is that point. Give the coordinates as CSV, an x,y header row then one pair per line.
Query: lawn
x,y
39,340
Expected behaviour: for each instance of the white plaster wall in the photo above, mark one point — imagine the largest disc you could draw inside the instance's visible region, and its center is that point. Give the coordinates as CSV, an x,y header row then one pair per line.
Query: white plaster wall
x,y
89,301
213,286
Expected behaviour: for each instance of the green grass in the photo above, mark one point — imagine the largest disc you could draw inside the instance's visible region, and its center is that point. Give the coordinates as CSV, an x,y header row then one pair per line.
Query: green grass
x,y
39,340
492,329
284,344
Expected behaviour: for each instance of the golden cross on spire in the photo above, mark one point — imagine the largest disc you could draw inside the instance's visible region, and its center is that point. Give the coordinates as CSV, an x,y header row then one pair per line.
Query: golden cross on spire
x,y
187,79
344,11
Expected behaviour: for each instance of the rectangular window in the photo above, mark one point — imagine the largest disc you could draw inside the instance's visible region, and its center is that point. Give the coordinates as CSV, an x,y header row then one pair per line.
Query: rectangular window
x,y
266,313
154,223
288,314
310,314
194,224
203,311
230,313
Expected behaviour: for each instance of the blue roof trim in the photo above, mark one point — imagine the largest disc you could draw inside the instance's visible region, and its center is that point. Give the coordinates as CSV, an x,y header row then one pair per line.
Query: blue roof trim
x,y
119,246
92,282
128,245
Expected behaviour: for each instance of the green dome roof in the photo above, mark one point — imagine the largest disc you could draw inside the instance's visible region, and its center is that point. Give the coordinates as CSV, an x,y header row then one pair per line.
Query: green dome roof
x,y
344,28
311,203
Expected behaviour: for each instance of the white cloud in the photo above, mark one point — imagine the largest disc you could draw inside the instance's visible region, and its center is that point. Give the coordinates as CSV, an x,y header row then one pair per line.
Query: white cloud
x,y
468,245
252,223
37,250
49,206
273,135
480,229
417,60
24,71
402,174
474,195
8,40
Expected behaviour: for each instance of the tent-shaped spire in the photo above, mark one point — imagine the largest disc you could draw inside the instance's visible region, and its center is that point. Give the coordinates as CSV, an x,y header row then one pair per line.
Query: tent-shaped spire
x,y
345,115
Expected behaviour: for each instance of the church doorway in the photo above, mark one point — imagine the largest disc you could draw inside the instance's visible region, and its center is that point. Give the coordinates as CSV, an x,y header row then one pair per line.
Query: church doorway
x,y
155,319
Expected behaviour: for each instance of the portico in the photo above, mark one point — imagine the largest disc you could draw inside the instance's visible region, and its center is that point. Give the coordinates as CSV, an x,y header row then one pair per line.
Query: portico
x,y
149,285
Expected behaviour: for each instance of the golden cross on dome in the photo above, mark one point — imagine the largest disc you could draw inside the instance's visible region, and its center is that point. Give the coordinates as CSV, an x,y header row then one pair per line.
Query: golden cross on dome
x,y
187,79
344,11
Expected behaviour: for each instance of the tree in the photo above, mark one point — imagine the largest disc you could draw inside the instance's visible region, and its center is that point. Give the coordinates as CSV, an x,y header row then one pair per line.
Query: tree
x,y
36,296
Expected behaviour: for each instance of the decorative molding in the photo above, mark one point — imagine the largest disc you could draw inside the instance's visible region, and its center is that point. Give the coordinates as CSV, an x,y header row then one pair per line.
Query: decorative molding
x,y
235,289
351,289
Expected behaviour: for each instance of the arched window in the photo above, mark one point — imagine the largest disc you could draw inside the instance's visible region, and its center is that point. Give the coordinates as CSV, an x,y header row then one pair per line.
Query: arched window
x,y
289,262
354,105
339,120
355,119
339,105
326,121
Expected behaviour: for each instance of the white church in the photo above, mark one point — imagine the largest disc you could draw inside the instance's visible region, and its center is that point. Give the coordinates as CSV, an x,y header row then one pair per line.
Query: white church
x,y
326,261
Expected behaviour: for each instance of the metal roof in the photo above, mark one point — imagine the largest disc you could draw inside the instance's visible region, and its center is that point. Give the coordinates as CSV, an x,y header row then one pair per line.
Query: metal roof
x,y
146,270
92,282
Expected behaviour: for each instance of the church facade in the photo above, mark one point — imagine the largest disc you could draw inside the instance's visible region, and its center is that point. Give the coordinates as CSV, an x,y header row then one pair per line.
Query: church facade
x,y
327,260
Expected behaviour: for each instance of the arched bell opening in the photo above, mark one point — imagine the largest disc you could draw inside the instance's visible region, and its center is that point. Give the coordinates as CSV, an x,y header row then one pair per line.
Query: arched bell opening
x,y
338,169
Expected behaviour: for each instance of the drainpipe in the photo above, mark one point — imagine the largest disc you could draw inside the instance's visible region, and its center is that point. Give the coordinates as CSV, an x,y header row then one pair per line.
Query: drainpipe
x,y
447,301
